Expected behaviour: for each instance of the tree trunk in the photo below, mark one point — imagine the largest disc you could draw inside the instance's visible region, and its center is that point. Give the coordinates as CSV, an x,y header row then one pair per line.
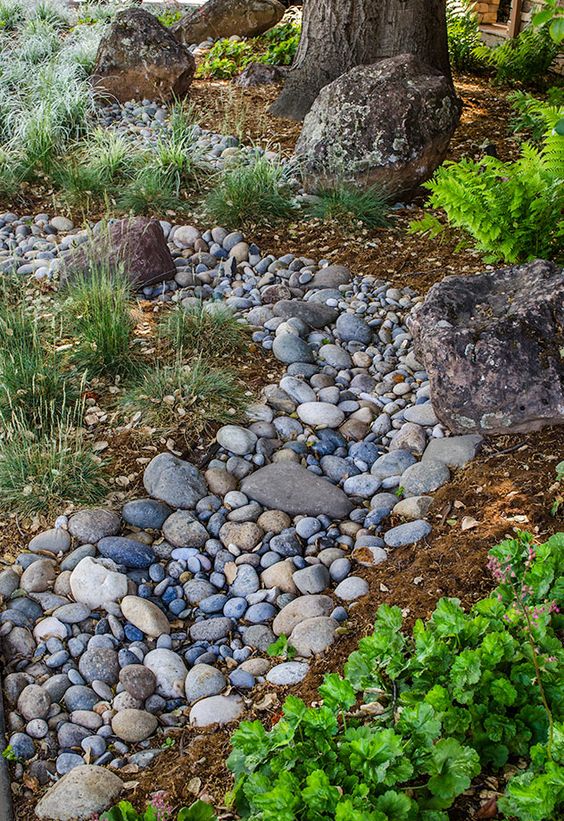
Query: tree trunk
x,y
338,35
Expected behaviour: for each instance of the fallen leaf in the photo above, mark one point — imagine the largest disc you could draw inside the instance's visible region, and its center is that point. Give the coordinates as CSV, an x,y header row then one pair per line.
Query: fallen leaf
x,y
488,810
468,522
195,785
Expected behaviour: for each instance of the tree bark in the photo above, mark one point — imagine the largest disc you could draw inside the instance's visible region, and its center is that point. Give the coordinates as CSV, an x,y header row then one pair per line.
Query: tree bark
x,y
338,35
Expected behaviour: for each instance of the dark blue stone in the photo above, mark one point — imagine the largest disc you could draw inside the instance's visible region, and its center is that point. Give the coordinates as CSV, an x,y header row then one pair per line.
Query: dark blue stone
x,y
126,657
146,513
126,551
169,595
133,633
213,604
177,606
235,608
145,591
368,452
241,679
157,572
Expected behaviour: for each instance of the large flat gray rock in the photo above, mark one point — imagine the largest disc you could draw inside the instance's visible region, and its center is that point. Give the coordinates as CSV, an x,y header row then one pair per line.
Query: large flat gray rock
x,y
295,490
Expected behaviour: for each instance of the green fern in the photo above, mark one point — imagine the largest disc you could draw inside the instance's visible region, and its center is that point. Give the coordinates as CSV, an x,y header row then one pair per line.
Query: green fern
x,y
522,59
512,210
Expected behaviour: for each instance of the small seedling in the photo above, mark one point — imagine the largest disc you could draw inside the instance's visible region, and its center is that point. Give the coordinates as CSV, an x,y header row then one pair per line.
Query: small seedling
x,y
281,648
8,754
168,743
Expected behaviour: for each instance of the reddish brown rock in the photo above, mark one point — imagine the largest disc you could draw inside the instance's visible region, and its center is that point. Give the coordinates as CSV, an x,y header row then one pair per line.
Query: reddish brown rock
x,y
387,124
225,18
137,246
139,58
493,347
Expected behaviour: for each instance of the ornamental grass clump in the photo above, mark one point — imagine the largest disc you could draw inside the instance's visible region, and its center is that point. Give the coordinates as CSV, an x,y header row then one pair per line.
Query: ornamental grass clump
x,y
152,189
253,194
190,396
206,329
34,381
41,472
415,718
348,205
99,304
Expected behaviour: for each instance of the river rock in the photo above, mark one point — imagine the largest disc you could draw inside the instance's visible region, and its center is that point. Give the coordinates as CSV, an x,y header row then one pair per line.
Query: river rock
x,y
96,582
146,616
408,533
216,710
134,725
313,636
424,477
83,792
295,490
453,451
321,414
289,672
203,681
89,526
174,481
55,540
170,672
304,607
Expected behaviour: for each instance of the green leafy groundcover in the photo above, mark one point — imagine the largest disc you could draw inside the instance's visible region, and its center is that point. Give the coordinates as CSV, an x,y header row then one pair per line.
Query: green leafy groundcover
x,y
416,718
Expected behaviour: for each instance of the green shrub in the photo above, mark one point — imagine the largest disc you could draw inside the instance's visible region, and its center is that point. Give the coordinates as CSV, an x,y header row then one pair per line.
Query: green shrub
x,y
99,304
207,329
169,17
522,59
43,472
551,17
102,160
534,115
349,204
463,35
254,194
191,396
512,210
282,43
226,58
416,718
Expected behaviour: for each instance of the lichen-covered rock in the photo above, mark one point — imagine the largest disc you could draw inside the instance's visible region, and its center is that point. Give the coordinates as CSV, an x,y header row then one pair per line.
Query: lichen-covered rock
x,y
139,58
387,124
224,18
137,246
492,346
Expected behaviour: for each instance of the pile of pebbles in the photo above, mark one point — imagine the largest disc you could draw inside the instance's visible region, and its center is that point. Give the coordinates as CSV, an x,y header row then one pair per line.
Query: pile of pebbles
x,y
146,122
116,624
